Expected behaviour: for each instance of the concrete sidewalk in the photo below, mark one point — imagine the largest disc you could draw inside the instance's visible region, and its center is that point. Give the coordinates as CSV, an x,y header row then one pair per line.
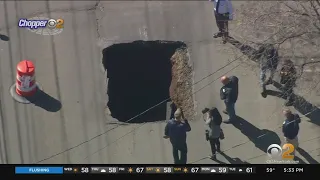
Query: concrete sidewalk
x,y
69,69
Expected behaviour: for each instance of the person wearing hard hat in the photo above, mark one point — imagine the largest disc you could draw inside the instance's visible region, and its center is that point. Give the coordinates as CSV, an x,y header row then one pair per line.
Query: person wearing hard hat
x,y
176,130
229,94
223,13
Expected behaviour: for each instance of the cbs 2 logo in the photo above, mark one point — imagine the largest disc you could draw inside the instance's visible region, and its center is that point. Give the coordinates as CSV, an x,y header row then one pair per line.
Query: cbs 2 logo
x,y
55,23
274,150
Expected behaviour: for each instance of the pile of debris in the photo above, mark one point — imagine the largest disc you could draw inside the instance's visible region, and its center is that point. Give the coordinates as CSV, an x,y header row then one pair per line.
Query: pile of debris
x,y
181,84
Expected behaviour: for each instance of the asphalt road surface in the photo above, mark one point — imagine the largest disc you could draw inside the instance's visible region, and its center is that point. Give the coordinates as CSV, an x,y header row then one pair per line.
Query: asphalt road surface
x,y
69,70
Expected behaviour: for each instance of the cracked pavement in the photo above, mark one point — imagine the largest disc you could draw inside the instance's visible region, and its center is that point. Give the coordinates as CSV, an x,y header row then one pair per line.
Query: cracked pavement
x,y
68,68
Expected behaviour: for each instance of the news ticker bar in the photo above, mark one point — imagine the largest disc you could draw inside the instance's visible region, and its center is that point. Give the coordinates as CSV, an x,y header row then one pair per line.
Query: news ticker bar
x,y
158,169
133,170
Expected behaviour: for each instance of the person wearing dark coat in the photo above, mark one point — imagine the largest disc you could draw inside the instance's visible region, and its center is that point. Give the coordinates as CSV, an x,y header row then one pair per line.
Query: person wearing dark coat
x,y
176,130
229,94
290,128
213,122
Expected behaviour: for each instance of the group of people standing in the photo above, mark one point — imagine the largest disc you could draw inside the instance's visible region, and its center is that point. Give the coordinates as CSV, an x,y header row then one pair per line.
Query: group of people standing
x,y
267,54
178,126
269,60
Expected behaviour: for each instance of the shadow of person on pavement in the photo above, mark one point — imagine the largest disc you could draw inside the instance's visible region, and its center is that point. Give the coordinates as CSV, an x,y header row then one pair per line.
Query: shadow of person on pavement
x,y
296,158
307,156
300,104
252,53
275,93
262,138
45,101
307,109
245,49
218,161
230,160
4,37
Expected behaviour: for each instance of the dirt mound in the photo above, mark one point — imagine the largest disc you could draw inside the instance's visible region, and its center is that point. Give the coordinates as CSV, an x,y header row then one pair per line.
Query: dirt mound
x,y
181,84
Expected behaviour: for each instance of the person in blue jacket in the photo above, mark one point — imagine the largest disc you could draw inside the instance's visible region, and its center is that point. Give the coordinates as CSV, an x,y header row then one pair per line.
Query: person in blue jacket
x,y
290,128
176,130
223,12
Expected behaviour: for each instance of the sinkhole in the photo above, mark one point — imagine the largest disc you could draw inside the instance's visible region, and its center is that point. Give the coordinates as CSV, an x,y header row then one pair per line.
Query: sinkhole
x,y
139,76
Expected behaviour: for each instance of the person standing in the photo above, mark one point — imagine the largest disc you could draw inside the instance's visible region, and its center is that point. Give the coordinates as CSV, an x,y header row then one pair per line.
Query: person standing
x,y
223,13
288,77
229,94
290,128
269,59
173,108
213,122
176,130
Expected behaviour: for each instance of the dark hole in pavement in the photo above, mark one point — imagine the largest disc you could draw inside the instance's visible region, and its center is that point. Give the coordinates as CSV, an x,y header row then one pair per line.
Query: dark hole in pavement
x,y
139,77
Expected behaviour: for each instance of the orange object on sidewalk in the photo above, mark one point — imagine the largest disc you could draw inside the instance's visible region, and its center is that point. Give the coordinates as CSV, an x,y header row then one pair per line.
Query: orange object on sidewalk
x,y
25,81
